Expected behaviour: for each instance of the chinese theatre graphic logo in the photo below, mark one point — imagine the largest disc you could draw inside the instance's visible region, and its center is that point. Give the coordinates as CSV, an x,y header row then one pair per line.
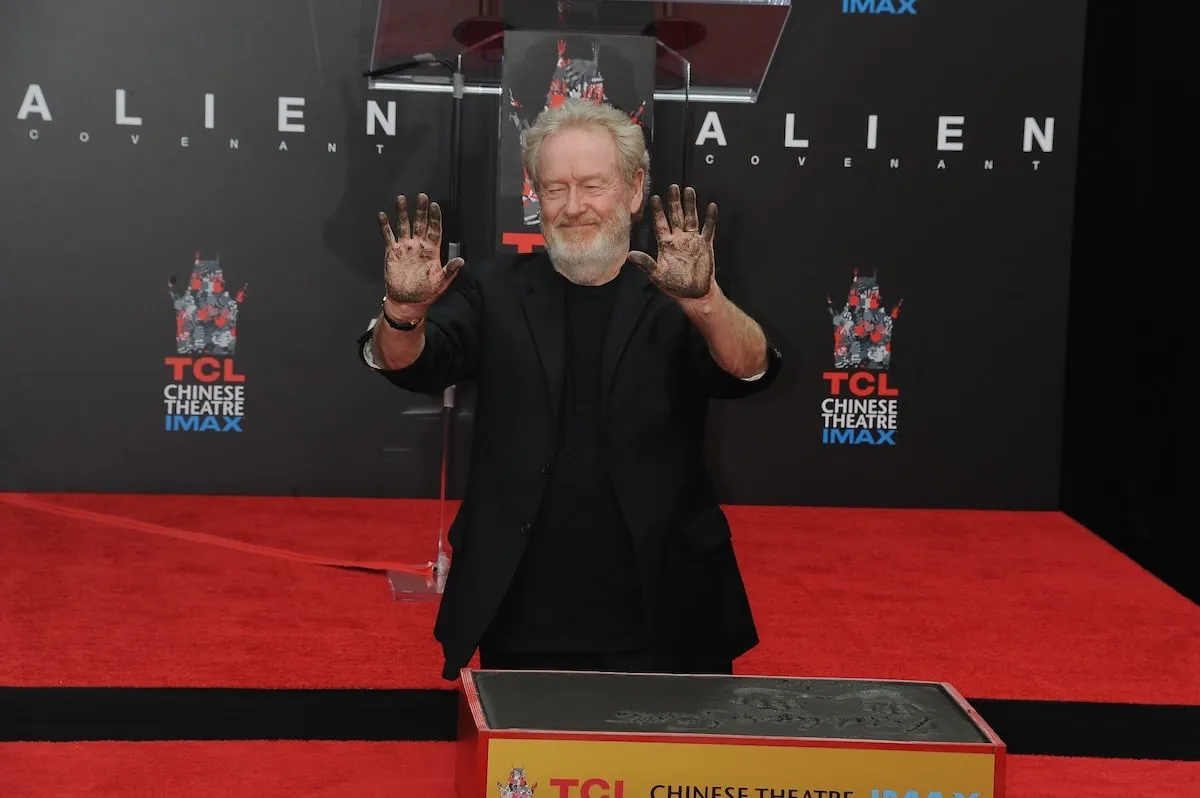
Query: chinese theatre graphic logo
x,y
517,786
206,392
205,313
861,407
862,335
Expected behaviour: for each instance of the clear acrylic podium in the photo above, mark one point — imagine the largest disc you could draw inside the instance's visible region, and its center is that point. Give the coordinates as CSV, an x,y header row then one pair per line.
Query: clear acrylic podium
x,y
706,51
710,51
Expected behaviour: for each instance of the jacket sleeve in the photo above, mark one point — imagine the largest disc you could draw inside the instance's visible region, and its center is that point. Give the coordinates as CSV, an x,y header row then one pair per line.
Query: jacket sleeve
x,y
718,382
452,341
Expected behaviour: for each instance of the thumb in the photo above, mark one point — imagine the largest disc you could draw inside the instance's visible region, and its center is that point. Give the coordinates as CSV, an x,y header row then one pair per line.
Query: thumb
x,y
452,268
644,262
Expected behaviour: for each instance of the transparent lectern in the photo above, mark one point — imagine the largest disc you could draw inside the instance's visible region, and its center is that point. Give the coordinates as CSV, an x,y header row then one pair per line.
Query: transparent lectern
x,y
702,51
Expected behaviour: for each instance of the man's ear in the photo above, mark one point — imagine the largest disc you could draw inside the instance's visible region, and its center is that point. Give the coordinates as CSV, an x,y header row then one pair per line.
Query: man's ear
x,y
637,195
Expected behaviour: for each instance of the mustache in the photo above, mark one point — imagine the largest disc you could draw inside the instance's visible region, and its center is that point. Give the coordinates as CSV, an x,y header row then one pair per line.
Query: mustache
x,y
588,218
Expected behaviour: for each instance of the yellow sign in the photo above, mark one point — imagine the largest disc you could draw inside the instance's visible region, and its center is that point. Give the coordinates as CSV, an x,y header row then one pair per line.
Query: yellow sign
x,y
557,768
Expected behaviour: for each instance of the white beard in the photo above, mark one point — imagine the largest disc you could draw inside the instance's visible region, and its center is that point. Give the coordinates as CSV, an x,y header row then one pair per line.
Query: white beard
x,y
589,262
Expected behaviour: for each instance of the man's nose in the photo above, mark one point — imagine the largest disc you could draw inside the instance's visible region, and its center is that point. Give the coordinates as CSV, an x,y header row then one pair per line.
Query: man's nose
x,y
574,205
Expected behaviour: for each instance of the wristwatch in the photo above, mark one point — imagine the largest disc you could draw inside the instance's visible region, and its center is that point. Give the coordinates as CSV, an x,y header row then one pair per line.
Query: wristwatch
x,y
400,325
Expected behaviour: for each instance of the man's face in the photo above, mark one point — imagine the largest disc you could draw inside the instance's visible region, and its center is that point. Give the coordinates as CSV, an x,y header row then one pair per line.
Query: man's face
x,y
585,203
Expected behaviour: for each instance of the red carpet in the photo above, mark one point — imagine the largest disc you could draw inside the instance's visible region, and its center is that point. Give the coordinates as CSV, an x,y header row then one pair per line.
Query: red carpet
x,y
421,770
1012,605
224,592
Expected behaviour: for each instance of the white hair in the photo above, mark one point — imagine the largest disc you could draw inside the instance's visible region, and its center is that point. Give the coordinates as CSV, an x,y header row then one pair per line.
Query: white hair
x,y
631,144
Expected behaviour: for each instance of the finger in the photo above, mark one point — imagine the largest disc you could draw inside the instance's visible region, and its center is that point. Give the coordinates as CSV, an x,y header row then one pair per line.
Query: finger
x,y
676,210
422,220
449,272
434,234
386,227
710,223
691,222
661,230
644,262
401,217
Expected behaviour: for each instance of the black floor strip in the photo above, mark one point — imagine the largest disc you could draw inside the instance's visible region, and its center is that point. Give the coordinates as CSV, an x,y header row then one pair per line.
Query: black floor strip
x,y
62,714
55,714
1067,728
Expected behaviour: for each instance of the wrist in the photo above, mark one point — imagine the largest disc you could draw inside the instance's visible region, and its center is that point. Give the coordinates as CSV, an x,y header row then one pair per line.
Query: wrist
x,y
703,307
404,312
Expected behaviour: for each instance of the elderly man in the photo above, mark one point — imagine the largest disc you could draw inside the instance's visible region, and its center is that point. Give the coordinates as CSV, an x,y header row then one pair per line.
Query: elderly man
x,y
590,537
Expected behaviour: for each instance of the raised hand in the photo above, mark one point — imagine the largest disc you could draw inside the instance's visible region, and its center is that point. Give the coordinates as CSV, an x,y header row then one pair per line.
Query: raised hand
x,y
412,265
685,264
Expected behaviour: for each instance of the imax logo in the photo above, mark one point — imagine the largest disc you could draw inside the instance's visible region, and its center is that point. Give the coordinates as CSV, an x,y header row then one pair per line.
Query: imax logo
x,y
879,7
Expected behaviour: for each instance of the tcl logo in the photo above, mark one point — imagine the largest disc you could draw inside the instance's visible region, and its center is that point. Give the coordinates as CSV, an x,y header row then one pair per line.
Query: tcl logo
x,y
589,788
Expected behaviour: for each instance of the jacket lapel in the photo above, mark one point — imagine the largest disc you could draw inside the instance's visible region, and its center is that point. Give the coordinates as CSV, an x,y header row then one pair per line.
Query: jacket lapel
x,y
634,290
543,304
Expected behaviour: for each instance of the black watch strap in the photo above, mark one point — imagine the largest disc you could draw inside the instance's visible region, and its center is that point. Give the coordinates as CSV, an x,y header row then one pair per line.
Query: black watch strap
x,y
401,325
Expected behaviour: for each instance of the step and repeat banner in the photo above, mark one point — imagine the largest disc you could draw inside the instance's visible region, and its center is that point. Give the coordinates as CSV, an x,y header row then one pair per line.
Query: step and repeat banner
x,y
190,248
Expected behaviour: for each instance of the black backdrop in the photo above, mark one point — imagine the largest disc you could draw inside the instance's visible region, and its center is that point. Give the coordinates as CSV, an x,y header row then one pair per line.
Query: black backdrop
x,y
979,251
1121,466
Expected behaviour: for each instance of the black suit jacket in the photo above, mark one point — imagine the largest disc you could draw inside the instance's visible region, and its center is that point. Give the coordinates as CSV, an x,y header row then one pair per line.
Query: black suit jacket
x,y
502,325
